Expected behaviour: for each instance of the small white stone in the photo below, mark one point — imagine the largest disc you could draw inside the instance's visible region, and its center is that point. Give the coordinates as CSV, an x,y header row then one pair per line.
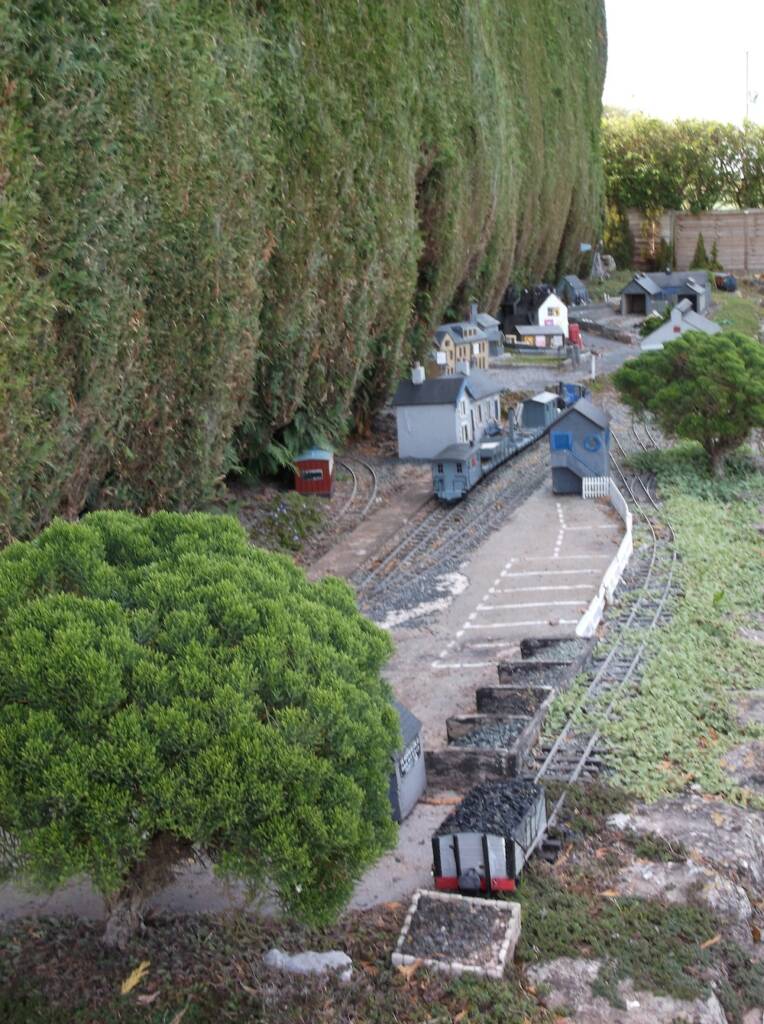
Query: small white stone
x,y
310,962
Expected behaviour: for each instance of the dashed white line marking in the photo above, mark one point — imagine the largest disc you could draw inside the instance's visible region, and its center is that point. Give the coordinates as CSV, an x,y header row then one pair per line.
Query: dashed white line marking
x,y
597,526
462,664
523,590
529,604
553,572
460,632
517,625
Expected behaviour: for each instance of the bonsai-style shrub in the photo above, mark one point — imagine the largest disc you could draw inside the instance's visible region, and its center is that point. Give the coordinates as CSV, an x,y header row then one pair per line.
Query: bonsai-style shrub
x,y
166,690
701,387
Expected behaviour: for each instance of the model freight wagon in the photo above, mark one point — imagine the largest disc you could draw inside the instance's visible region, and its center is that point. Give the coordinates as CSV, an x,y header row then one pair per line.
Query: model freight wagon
x,y
484,844
314,472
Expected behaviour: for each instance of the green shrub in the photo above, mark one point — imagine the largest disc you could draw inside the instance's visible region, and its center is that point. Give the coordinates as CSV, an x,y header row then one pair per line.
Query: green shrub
x,y
700,387
165,687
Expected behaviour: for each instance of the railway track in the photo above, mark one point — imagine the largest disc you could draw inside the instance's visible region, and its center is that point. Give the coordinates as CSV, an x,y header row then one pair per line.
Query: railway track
x,y
578,750
361,499
437,535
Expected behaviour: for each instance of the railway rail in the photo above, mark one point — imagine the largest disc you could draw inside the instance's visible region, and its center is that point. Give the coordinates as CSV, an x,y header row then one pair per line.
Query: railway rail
x,y
357,496
577,752
436,535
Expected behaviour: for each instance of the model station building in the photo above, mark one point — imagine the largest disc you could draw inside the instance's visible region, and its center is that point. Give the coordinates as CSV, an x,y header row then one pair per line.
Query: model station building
x,y
580,448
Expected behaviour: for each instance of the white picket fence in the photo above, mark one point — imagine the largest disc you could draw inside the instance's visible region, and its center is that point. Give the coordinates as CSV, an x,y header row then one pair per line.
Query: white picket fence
x,y
606,593
596,486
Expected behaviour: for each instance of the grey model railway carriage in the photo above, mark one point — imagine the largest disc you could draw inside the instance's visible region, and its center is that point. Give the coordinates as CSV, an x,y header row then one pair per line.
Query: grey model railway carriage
x,y
484,844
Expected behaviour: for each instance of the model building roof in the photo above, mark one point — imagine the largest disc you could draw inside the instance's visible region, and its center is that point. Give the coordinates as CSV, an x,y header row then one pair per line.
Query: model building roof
x,y
445,390
410,724
589,410
540,330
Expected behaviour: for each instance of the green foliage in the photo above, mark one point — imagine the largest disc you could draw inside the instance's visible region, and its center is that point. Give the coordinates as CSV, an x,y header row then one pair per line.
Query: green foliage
x,y
657,946
698,661
289,521
654,321
713,260
618,239
165,685
700,387
654,165
700,258
220,217
738,313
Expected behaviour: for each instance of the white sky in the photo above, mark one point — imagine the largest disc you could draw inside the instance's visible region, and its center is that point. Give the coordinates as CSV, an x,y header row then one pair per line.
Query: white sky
x,y
686,58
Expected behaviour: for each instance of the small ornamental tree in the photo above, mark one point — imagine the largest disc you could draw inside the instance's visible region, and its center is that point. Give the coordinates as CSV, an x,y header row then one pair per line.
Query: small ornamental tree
x,y
705,388
700,258
167,689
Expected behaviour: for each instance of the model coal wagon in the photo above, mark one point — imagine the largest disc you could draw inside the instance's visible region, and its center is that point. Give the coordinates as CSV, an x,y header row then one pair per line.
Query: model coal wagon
x,y
483,845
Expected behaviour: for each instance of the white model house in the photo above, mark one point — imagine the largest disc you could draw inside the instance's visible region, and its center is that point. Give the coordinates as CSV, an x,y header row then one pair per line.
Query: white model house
x,y
552,312
433,414
683,318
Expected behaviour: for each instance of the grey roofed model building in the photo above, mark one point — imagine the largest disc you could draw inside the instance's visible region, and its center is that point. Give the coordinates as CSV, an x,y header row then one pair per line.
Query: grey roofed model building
x,y
540,330
589,410
445,390
410,724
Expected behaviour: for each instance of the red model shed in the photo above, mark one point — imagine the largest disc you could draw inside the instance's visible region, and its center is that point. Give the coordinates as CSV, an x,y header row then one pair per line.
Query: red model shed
x,y
314,472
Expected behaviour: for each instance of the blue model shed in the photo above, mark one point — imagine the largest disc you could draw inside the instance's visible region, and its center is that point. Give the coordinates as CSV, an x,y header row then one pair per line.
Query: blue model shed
x,y
580,447
540,411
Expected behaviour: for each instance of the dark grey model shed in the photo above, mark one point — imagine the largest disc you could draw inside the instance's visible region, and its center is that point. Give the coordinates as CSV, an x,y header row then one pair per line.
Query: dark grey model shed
x,y
539,411
572,290
580,447
651,293
408,778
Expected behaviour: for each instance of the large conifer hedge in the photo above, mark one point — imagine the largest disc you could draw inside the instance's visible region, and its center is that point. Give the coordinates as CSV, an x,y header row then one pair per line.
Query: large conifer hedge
x,y
225,222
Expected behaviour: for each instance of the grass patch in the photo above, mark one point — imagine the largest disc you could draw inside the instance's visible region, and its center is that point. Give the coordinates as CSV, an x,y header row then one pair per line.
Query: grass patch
x,y
659,947
676,729
612,286
738,313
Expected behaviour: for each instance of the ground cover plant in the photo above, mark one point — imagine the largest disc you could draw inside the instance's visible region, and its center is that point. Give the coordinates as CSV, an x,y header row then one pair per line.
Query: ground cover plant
x,y
703,657
739,312
167,690
228,225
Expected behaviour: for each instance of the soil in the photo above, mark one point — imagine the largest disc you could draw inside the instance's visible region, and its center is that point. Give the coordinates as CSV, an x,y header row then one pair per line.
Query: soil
x,y
467,932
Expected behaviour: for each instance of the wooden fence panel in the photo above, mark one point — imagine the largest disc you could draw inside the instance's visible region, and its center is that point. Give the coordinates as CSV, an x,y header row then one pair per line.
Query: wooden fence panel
x,y
739,237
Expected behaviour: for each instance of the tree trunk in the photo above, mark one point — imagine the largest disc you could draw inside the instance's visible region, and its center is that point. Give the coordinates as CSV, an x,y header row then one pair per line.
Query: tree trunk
x,y
155,870
125,918
717,462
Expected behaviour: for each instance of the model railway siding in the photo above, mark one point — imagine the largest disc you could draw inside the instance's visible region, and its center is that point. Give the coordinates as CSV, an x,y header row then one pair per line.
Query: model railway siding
x,y
577,751
362,496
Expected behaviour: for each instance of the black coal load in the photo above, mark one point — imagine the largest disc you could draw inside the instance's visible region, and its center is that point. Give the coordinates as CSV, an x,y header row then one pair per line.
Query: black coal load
x,y
492,734
495,808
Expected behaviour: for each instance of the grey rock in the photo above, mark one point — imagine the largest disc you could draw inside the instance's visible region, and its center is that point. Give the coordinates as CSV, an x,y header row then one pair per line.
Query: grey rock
x,y
745,764
750,707
310,963
693,884
729,838
754,1017
569,981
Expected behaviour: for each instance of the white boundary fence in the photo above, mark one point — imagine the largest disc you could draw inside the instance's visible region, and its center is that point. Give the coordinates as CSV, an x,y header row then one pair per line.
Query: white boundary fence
x,y
606,593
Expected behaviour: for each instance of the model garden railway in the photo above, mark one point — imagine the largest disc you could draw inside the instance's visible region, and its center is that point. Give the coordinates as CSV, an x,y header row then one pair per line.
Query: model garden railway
x,y
357,497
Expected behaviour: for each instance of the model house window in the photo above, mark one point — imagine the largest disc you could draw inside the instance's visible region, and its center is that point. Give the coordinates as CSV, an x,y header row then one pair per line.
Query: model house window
x,y
496,408
562,442
480,414
312,474
458,467
440,467
463,408
465,434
